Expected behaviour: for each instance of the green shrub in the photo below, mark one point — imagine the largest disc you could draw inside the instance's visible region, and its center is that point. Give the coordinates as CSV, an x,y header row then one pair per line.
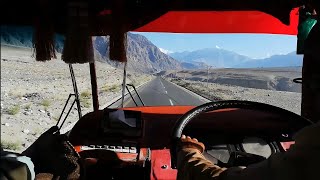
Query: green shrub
x,y
46,103
114,88
37,131
14,110
85,102
10,145
27,107
85,94
56,118
85,98
110,88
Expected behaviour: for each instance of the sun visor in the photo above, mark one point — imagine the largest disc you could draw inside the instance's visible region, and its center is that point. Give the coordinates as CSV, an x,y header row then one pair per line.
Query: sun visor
x,y
222,22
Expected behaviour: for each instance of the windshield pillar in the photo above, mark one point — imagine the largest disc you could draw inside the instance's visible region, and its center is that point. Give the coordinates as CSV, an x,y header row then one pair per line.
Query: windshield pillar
x,y
311,88
94,86
310,107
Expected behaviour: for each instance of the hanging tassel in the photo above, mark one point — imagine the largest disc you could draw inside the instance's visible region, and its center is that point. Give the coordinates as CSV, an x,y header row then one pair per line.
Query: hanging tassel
x,y
118,36
118,46
43,36
78,46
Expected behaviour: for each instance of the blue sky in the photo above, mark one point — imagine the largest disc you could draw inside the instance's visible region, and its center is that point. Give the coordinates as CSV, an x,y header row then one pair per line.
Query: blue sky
x,y
252,45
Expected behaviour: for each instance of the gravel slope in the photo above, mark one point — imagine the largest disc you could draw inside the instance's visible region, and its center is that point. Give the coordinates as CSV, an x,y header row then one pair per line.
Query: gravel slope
x,y
33,93
279,79
213,91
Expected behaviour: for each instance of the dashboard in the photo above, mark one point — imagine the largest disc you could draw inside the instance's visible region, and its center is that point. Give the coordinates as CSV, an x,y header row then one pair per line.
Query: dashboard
x,y
140,138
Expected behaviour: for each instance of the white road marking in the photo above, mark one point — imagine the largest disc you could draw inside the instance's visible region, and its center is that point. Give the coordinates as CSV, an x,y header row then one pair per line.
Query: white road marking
x,y
166,92
162,84
202,99
171,103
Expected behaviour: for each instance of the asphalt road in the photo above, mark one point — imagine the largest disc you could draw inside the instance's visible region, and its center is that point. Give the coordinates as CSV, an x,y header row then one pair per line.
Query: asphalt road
x,y
159,92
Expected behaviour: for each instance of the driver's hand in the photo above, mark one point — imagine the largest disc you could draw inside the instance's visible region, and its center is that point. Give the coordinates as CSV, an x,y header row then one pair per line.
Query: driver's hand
x,y
186,142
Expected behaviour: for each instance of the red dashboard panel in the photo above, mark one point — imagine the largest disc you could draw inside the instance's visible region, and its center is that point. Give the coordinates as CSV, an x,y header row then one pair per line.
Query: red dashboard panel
x,y
161,165
157,129
159,121
129,156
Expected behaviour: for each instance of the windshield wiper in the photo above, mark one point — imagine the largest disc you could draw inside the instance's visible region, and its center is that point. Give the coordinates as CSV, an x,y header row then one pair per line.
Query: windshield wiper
x,y
75,101
135,90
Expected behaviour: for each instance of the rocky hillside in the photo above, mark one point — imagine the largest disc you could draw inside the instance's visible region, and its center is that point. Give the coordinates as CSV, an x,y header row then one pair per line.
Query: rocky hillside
x,y
142,54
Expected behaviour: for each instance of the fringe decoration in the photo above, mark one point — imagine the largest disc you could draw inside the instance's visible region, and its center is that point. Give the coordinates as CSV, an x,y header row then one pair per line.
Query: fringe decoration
x,y
118,36
78,46
118,46
43,35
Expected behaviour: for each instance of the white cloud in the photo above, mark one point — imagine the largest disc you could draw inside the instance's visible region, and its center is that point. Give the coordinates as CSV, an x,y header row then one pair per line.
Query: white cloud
x,y
217,47
165,51
262,57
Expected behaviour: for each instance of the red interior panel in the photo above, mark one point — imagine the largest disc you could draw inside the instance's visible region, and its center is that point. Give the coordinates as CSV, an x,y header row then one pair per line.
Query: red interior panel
x,y
221,22
161,165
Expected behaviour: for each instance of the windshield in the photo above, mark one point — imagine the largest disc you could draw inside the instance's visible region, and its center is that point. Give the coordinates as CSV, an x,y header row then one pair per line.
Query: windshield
x,y
198,68
164,69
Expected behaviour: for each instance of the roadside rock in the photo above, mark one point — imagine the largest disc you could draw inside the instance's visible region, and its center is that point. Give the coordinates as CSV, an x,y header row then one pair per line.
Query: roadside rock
x,y
6,124
26,131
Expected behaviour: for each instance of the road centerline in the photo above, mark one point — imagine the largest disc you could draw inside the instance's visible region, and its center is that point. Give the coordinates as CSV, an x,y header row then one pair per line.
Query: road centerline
x,y
171,103
163,93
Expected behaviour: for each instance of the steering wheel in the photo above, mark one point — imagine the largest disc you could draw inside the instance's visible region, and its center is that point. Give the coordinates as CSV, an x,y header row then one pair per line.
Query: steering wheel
x,y
211,106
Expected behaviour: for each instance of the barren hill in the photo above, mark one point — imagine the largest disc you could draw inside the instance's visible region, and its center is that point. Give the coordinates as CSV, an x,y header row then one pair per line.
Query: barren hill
x,y
279,79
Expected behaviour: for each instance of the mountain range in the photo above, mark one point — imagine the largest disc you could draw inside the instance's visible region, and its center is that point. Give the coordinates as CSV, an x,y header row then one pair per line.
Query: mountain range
x,y
213,56
286,60
144,56
221,58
